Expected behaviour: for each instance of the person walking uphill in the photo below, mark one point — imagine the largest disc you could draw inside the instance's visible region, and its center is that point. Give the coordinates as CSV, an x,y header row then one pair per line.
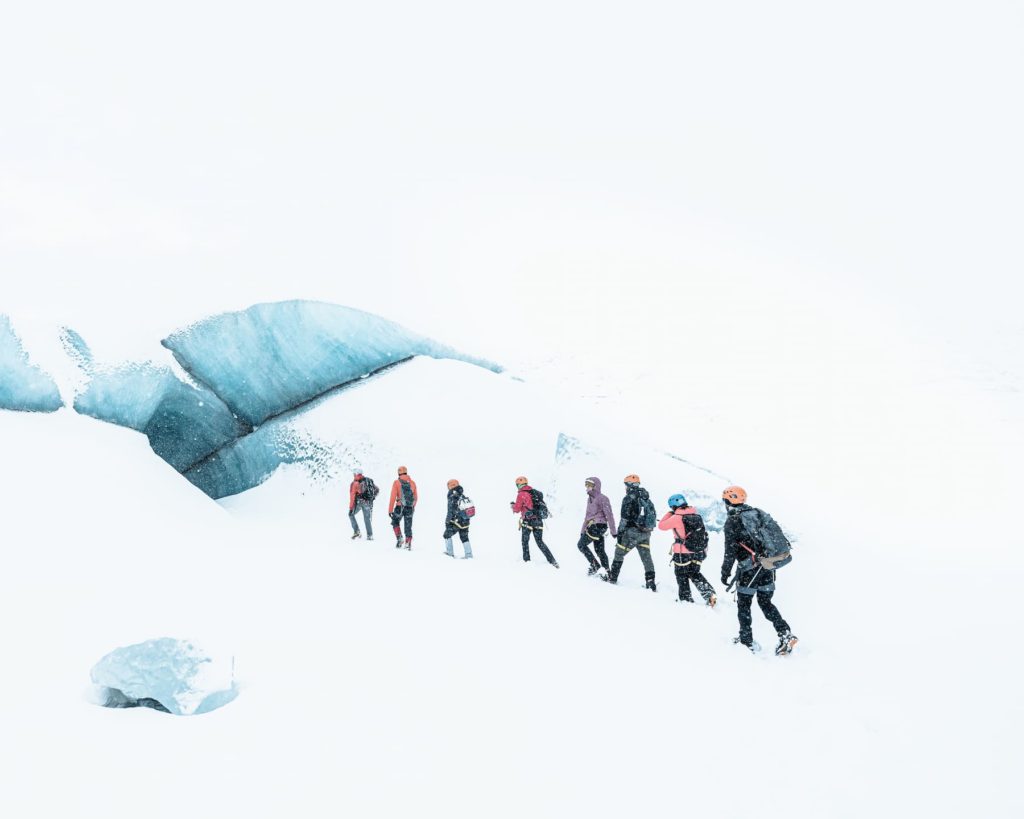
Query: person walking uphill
x,y
402,505
748,536
460,512
689,550
636,520
529,505
361,494
597,521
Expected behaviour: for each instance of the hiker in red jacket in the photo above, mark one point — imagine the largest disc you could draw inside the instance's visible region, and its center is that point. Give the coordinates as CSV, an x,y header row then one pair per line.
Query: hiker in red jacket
x,y
402,505
361,493
529,505
689,550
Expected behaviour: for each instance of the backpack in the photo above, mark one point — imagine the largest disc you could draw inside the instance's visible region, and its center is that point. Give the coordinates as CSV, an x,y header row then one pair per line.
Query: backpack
x,y
647,516
406,496
466,506
696,536
540,509
370,490
772,549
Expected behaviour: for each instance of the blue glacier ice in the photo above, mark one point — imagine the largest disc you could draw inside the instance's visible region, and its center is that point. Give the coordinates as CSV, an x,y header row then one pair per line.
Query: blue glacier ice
x,y
23,386
166,674
184,423
271,358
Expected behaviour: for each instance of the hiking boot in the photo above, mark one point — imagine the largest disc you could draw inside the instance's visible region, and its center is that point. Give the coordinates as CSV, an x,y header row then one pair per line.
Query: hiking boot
x,y
408,543
356,535
555,564
369,537
752,646
649,582
607,578
712,601
398,543
787,642
592,571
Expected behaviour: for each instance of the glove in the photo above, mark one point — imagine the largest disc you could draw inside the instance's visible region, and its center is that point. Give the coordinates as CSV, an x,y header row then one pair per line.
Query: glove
x,y
725,578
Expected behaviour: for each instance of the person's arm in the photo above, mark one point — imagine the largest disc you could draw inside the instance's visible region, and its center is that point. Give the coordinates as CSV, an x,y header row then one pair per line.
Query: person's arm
x,y
606,505
523,503
352,496
666,522
730,552
394,496
415,494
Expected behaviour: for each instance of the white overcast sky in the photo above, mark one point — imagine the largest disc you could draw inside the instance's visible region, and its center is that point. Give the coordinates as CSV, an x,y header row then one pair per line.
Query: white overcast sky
x,y
520,175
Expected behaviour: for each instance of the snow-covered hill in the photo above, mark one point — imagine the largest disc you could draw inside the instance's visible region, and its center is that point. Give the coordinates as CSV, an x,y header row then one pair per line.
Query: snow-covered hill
x,y
377,682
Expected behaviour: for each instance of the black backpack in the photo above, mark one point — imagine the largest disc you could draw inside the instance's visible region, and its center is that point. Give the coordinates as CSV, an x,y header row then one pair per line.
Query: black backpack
x,y
647,515
696,535
540,509
370,490
772,549
407,496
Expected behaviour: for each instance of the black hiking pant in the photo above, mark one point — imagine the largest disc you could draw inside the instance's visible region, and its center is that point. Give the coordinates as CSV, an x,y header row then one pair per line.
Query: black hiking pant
x,y
691,572
594,535
631,538
745,599
400,513
537,528
453,528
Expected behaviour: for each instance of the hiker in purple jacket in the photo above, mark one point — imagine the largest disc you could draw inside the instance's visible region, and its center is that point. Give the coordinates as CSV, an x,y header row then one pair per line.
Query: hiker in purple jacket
x,y
596,523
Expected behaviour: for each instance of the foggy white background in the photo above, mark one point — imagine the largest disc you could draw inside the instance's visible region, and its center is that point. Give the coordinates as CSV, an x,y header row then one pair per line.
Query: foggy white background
x,y
811,210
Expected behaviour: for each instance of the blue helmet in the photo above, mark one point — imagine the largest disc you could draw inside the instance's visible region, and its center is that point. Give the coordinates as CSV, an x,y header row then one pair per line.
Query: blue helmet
x,y
677,500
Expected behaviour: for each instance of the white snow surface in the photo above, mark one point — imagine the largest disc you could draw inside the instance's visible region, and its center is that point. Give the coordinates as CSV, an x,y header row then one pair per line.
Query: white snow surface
x,y
378,682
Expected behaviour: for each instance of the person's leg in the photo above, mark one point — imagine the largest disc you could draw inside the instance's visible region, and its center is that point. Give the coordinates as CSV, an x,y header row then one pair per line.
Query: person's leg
x,y
449,549
682,579
621,550
602,555
644,548
408,526
743,602
396,517
525,532
464,537
538,535
352,520
368,519
764,600
584,546
707,591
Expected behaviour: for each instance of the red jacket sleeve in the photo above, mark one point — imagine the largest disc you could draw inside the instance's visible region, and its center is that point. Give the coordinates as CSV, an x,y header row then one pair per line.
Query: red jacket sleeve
x,y
666,522
353,490
394,496
415,494
524,502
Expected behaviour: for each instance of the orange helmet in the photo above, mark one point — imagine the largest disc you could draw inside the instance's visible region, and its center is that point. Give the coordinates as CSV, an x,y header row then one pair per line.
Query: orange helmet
x,y
452,483
403,471
734,494
521,481
631,478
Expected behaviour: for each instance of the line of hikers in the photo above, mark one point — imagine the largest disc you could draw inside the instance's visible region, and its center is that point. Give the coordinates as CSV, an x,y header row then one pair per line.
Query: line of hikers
x,y
747,529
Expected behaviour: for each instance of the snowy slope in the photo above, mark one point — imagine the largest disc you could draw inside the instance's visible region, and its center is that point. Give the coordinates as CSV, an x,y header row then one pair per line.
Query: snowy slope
x,y
379,682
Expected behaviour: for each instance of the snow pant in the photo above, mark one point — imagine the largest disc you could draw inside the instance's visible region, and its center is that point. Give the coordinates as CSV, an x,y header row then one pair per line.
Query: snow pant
x,y
691,572
537,528
450,531
594,534
367,513
764,592
397,515
630,538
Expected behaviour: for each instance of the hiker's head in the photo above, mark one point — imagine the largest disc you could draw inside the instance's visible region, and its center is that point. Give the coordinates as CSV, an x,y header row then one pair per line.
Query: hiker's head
x,y
452,483
402,471
733,495
632,481
677,501
521,481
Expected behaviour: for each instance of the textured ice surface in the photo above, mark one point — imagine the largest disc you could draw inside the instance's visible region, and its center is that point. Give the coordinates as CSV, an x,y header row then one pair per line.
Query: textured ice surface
x,y
184,424
23,386
174,674
273,357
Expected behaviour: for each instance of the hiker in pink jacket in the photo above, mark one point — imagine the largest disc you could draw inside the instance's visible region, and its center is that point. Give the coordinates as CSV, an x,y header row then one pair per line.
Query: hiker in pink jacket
x,y
689,549
597,522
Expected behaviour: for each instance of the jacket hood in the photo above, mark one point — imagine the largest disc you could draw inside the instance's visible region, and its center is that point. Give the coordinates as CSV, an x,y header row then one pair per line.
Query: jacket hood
x,y
597,486
736,508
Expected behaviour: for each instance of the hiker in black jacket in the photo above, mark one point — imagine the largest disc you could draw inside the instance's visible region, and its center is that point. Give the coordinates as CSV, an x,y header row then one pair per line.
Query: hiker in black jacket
x,y
633,532
456,522
751,577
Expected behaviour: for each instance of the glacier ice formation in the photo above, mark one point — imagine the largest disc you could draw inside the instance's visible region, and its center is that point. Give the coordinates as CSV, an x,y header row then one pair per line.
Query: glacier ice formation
x,y
166,674
23,385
